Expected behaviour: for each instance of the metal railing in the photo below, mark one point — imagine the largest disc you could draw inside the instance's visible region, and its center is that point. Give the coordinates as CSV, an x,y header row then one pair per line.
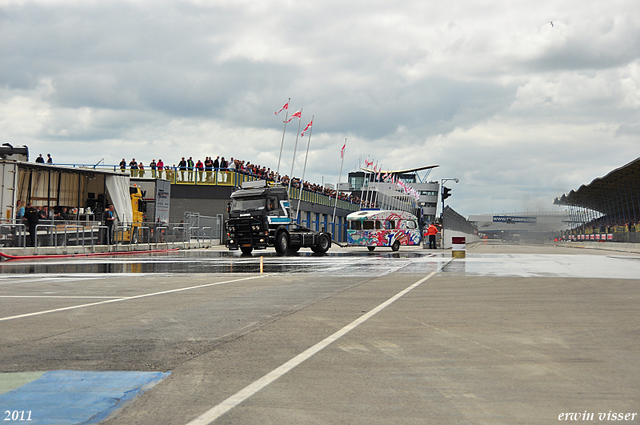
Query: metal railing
x,y
18,231
73,226
203,231
100,235
47,226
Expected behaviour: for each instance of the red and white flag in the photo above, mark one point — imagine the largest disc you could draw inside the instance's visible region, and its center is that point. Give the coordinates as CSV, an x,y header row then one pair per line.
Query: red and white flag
x,y
342,150
286,106
307,128
295,115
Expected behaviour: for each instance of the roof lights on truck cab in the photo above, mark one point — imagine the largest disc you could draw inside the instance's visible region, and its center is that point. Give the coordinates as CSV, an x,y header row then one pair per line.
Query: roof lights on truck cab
x,y
254,184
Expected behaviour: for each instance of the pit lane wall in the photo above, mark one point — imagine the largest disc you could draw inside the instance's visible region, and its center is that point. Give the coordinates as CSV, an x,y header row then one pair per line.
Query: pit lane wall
x,y
450,234
455,225
606,246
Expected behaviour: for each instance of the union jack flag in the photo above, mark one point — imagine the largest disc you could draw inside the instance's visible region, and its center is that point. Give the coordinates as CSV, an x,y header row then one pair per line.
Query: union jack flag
x,y
307,128
297,115
286,106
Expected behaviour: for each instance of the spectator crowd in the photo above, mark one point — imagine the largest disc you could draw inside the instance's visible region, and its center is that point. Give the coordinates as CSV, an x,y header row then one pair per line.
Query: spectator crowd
x,y
188,170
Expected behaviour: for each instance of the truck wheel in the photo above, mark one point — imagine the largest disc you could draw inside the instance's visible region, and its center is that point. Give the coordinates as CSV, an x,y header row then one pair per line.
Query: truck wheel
x,y
324,243
282,242
395,246
246,249
371,248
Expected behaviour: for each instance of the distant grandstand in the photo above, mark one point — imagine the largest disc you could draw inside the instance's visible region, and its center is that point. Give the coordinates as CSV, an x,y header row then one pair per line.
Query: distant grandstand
x,y
608,208
530,226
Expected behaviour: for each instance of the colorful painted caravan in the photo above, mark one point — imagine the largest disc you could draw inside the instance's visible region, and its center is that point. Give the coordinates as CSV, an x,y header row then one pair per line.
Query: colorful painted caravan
x,y
372,228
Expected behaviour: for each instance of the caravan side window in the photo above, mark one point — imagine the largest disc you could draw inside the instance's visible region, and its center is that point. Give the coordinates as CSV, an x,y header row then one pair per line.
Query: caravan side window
x,y
367,225
392,224
378,225
411,224
355,225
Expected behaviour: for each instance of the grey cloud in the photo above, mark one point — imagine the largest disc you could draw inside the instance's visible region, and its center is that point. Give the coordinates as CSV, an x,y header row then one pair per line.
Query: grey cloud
x,y
591,45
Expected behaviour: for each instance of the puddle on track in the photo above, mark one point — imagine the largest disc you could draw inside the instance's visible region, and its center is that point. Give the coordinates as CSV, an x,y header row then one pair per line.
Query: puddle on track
x,y
356,263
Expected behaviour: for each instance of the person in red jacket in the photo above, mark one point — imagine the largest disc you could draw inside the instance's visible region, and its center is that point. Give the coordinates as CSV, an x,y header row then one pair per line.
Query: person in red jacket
x,y
199,170
432,231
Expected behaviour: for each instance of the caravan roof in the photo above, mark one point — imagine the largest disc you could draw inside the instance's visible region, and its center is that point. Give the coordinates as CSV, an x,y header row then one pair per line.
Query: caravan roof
x,y
380,215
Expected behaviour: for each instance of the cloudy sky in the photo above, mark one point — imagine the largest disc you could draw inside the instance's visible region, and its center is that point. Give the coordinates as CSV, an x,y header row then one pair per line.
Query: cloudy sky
x,y
519,110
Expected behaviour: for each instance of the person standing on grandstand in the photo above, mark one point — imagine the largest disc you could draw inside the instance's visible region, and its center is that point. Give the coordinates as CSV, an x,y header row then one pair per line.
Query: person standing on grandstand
x,y
133,167
190,168
208,166
224,165
199,169
183,167
160,166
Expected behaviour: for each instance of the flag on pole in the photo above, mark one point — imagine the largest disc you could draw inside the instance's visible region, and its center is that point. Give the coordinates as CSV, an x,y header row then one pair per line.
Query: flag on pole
x,y
295,115
342,150
286,106
307,128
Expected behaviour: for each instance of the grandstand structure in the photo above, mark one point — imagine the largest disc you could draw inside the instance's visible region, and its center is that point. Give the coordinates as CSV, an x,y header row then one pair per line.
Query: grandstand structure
x,y
382,190
530,226
608,208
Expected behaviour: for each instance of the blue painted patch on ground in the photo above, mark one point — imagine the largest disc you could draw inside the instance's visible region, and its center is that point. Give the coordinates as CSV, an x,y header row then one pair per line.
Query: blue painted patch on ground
x,y
67,397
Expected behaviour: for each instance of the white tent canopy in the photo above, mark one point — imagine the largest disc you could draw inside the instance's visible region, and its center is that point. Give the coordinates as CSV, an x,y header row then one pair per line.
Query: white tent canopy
x,y
118,190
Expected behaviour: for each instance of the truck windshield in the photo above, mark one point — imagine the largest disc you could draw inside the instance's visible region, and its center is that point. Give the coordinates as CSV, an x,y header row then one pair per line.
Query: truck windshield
x,y
247,204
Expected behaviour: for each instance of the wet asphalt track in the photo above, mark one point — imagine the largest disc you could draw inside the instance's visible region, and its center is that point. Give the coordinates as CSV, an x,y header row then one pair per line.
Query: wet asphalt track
x,y
507,335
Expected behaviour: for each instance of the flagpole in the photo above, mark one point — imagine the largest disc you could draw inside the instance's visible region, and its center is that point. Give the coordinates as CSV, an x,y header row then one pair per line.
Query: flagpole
x,y
366,179
295,148
378,176
282,143
304,169
333,222
370,193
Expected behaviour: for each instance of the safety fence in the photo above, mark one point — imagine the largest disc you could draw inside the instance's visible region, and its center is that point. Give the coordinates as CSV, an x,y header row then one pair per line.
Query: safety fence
x,y
451,220
613,234
92,234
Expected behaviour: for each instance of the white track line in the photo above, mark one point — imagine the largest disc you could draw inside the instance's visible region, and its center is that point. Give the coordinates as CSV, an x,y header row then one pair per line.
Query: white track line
x,y
135,297
62,297
248,391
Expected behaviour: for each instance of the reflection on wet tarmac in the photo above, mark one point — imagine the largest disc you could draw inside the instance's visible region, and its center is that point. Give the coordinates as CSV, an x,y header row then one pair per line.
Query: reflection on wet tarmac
x,y
352,263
